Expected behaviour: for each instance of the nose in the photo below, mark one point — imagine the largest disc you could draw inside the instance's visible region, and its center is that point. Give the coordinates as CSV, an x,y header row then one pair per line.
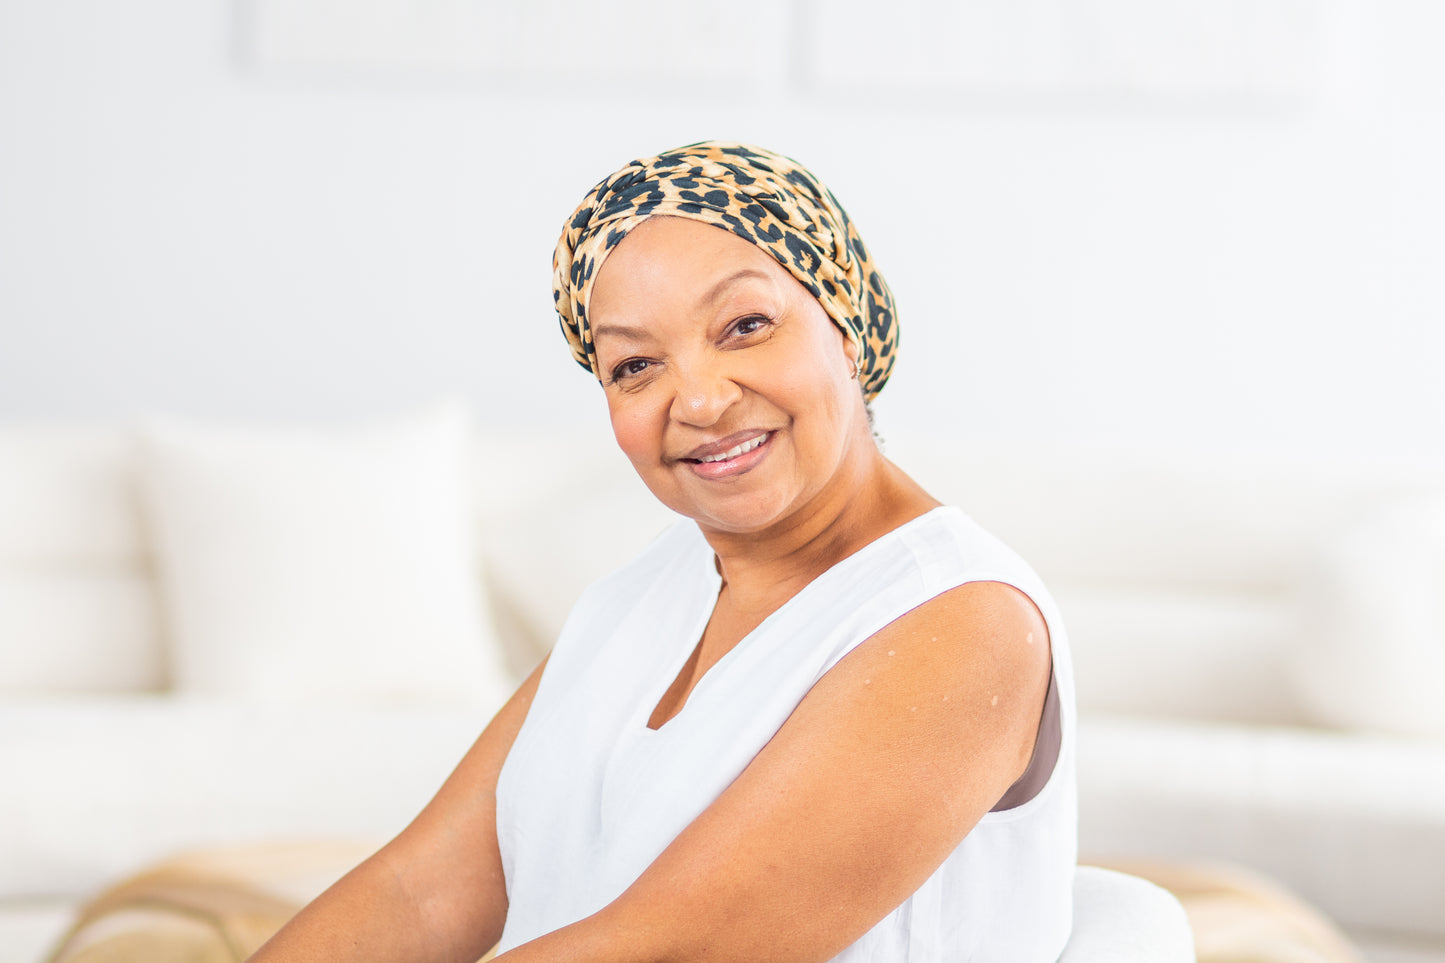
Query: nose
x,y
703,392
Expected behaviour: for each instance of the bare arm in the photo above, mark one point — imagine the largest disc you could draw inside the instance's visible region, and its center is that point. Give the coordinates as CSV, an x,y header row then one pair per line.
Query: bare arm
x,y
876,777
436,891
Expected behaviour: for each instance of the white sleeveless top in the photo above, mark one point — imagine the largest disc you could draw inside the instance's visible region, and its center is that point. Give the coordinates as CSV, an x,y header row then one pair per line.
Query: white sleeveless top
x,y
589,795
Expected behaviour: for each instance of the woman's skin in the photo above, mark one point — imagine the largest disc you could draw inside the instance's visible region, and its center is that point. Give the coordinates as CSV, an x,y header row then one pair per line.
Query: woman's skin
x,y
706,344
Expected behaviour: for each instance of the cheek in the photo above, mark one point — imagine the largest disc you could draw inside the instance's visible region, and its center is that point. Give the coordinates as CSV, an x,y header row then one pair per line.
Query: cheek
x,y
829,377
635,429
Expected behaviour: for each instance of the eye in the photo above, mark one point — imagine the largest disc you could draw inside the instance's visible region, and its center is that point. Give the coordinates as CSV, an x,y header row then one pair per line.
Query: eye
x,y
750,325
630,368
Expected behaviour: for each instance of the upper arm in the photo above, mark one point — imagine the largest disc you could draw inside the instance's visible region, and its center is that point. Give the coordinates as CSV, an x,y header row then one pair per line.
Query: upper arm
x,y
880,772
448,859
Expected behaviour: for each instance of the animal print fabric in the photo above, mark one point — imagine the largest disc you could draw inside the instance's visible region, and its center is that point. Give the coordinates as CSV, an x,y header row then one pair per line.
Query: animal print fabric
x,y
762,197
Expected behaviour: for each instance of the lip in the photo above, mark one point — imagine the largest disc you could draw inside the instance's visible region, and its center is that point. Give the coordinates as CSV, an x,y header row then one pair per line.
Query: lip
x,y
714,448
731,466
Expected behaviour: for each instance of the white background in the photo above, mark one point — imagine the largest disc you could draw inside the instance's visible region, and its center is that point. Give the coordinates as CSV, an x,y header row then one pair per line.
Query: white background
x,y
1195,223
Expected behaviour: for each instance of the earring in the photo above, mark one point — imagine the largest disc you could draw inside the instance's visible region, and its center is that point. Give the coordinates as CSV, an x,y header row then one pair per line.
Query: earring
x,y
854,375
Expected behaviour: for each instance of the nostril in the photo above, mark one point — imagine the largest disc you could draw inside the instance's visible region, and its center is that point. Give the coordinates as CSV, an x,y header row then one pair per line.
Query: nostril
x,y
701,396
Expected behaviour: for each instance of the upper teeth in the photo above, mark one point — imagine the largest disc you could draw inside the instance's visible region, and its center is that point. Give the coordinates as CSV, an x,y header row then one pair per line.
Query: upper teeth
x,y
736,450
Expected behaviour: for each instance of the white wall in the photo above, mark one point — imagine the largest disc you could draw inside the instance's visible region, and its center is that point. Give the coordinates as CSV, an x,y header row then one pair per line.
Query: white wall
x,y
1114,221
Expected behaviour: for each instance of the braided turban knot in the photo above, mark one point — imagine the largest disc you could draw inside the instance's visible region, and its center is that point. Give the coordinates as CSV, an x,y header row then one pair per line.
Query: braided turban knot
x,y
765,199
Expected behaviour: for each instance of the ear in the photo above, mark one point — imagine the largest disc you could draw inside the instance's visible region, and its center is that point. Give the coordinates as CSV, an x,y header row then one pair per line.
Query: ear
x,y
849,348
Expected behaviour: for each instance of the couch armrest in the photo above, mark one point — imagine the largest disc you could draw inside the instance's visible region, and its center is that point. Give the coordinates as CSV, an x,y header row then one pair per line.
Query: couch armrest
x,y
95,786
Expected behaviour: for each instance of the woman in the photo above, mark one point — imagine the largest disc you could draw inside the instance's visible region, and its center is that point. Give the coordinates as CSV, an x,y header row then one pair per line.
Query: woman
x,y
826,718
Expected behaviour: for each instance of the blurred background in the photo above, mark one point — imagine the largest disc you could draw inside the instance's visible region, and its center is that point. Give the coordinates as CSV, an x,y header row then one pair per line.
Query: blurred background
x,y
1197,222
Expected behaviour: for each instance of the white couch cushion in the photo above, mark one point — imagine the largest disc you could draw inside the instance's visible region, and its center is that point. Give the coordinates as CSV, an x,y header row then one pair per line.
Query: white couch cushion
x,y
336,564
1375,658
76,628
67,497
78,610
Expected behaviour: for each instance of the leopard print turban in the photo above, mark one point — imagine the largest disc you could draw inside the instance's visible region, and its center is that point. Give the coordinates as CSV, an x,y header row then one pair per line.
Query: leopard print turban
x,y
763,198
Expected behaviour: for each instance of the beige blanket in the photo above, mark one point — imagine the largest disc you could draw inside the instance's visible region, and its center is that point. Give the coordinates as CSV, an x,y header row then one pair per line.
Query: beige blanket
x,y
219,906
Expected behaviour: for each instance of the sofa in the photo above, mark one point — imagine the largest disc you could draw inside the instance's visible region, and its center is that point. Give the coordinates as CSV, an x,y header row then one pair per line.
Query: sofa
x,y
223,634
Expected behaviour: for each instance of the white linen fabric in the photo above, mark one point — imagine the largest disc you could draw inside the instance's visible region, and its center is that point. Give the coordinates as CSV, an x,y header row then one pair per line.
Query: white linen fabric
x,y
1124,919
590,796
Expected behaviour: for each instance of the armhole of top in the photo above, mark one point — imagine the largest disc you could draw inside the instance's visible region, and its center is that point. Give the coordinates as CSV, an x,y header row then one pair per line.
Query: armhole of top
x,y
1048,743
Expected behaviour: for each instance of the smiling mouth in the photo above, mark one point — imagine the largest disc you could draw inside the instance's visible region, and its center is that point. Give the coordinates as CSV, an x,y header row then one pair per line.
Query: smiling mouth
x,y
733,452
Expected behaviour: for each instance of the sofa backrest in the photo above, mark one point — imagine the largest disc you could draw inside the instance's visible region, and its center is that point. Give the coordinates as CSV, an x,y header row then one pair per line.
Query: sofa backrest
x,y
1185,577
1179,574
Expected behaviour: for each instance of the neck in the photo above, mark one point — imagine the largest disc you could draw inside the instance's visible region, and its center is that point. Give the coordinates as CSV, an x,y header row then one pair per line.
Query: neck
x,y
867,498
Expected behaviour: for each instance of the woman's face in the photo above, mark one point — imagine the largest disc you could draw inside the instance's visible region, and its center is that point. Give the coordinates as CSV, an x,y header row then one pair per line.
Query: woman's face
x,y
729,388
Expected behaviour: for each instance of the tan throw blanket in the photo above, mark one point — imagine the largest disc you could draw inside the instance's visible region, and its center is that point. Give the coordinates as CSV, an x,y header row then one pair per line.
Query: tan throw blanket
x,y
174,915
219,906
210,906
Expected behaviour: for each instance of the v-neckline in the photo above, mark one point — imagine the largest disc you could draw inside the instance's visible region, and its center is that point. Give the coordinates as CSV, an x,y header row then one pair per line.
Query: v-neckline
x,y
712,588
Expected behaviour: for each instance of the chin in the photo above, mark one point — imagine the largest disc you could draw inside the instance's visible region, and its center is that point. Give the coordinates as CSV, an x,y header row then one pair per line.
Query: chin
x,y
738,512
740,516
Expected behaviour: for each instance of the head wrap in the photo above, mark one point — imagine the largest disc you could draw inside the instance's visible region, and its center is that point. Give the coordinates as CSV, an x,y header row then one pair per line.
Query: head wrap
x,y
763,198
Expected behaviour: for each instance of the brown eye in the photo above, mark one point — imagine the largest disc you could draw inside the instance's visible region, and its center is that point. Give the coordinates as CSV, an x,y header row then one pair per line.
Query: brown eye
x,y
630,368
750,325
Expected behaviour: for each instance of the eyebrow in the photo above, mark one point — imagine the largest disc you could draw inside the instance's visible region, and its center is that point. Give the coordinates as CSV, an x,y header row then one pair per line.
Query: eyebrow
x,y
638,333
714,292
620,330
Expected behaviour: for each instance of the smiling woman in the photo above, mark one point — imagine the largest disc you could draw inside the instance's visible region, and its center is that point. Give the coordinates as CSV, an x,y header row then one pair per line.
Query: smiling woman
x,y
822,717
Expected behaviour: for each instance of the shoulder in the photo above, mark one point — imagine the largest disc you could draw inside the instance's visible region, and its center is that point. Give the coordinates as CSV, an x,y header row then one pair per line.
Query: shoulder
x,y
923,560
968,663
978,631
950,541
985,627
946,699
947,550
